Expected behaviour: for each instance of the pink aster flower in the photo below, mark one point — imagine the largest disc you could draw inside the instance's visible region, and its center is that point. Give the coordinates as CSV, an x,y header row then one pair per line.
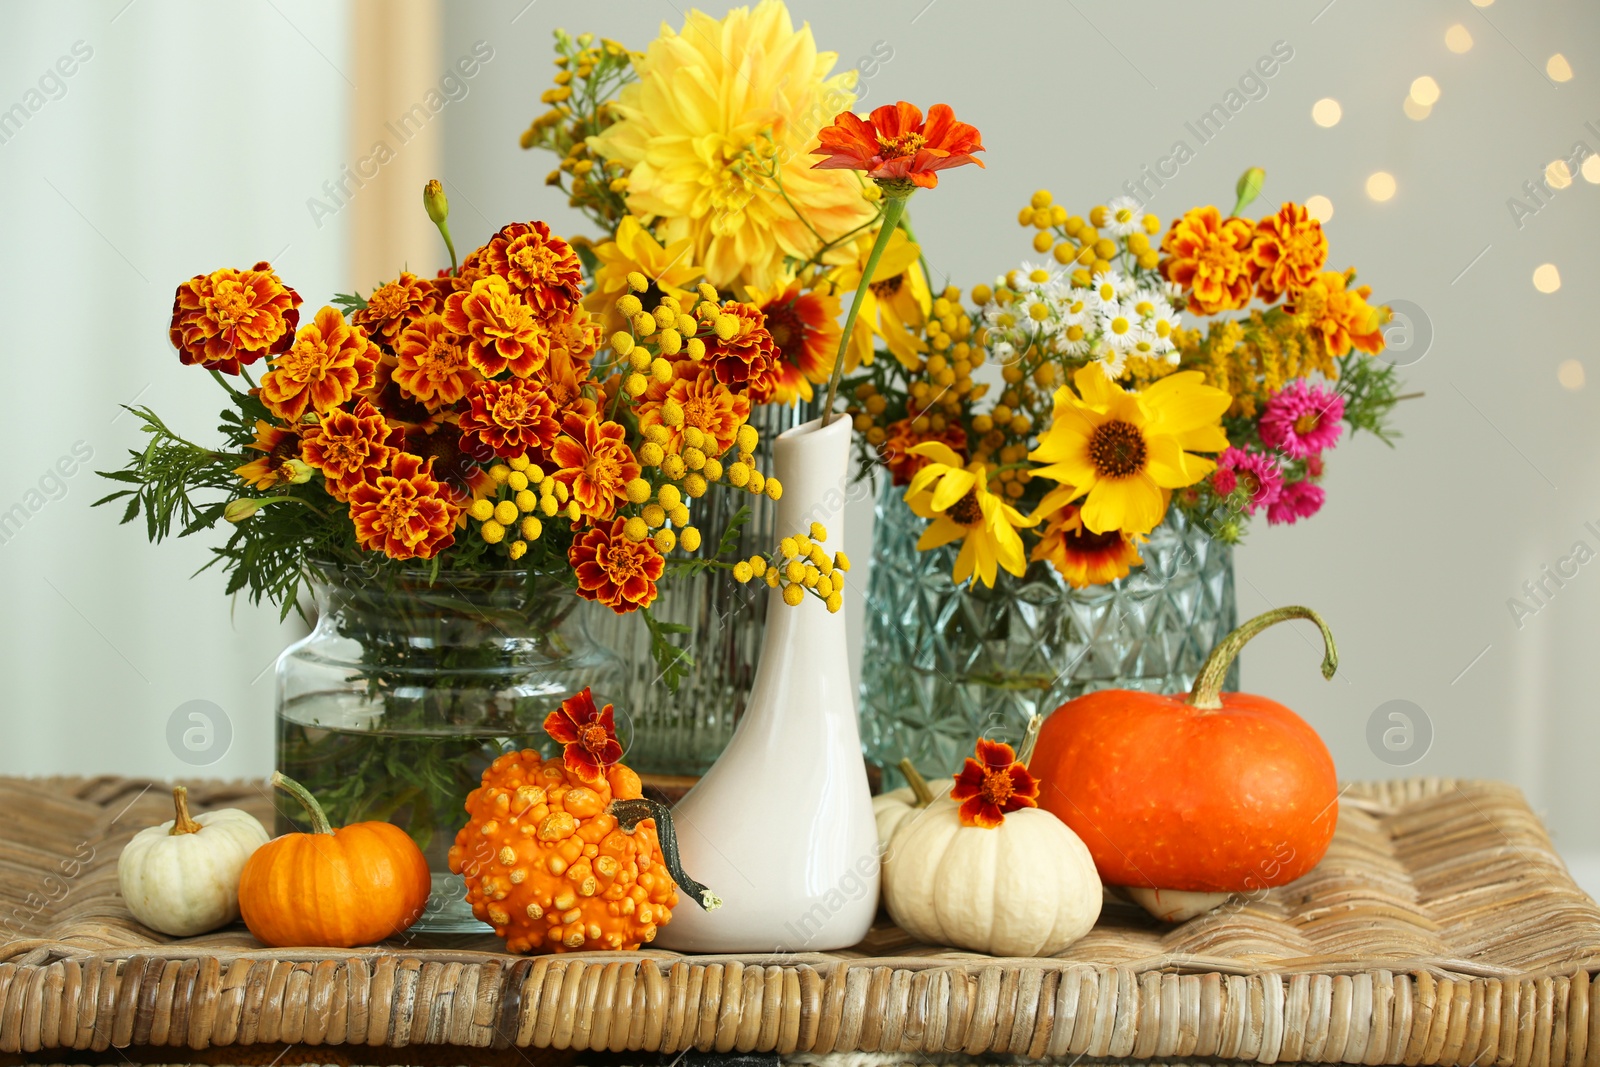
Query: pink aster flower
x,y
1224,481
1299,500
1302,420
1258,472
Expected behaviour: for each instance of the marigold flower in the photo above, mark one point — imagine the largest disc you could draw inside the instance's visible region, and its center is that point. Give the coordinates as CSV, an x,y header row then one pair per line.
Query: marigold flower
x,y
1289,250
746,360
431,362
992,785
541,268
278,446
1211,258
610,568
511,417
593,460
1341,314
588,736
804,325
896,450
404,514
503,332
231,317
566,381
347,447
329,362
1081,556
454,459
707,406
893,144
395,305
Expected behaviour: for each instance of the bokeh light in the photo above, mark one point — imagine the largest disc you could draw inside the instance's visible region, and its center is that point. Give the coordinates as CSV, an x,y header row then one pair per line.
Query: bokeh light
x,y
1320,207
1425,91
1591,169
1546,278
1558,175
1380,185
1415,111
1457,39
1558,68
1326,112
1570,375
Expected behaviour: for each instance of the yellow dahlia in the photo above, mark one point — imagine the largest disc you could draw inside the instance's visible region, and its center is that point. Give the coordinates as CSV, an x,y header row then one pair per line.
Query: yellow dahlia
x,y
717,107
957,502
672,270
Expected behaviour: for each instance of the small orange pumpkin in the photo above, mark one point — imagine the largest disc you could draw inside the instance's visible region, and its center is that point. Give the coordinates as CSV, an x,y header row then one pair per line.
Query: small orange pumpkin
x,y
333,888
564,854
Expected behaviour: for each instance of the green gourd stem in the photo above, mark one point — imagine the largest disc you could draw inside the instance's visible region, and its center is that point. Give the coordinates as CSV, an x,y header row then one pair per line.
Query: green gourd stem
x,y
630,813
892,210
918,784
1207,691
319,818
1029,740
183,823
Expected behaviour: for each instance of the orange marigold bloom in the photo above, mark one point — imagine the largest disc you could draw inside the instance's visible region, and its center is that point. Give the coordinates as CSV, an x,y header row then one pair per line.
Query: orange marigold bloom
x,y
992,785
329,362
1341,314
1289,250
805,330
1082,557
619,573
455,460
1211,258
896,454
511,417
708,406
431,362
893,144
395,305
348,448
229,317
278,445
542,269
503,332
566,381
748,360
404,514
575,334
593,460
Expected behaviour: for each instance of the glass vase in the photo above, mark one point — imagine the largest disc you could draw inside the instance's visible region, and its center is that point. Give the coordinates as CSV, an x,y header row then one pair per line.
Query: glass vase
x,y
944,664
409,686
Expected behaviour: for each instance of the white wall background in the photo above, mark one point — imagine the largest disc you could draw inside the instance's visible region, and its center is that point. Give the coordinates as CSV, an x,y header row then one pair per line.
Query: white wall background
x,y
205,156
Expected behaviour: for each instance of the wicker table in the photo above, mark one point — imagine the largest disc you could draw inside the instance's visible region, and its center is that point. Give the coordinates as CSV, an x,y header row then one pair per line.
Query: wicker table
x,y
1442,928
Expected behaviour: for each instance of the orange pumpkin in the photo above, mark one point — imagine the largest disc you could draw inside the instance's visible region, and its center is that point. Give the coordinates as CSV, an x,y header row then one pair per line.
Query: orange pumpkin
x,y
334,888
563,854
1216,792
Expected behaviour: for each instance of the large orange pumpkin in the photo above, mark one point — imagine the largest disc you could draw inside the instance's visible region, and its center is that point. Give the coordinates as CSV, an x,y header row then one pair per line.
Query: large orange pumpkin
x,y
1214,792
333,888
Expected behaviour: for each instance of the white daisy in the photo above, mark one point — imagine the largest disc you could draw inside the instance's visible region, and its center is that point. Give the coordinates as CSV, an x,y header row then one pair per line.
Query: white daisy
x,y
1119,326
1106,288
1123,216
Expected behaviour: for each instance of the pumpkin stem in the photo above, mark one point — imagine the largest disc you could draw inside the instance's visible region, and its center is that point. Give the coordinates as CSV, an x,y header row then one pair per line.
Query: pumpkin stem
x,y
1030,738
630,813
1207,691
918,784
183,824
319,818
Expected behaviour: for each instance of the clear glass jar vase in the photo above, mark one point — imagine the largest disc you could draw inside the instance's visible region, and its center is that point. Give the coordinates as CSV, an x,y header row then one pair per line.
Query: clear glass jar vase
x,y
944,664
410,685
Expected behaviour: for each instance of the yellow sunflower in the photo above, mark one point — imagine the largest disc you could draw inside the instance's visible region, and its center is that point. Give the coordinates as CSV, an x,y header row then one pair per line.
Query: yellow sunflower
x,y
672,269
1125,452
715,109
957,502
896,303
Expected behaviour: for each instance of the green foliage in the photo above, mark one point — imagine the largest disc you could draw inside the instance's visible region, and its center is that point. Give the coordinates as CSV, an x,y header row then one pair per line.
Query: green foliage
x,y
672,660
1371,388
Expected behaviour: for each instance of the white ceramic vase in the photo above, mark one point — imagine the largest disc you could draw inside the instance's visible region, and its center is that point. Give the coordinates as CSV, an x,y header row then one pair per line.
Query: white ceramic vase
x,y
781,826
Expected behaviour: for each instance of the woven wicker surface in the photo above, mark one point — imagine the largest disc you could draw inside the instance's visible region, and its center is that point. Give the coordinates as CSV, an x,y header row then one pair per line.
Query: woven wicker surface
x,y
1441,928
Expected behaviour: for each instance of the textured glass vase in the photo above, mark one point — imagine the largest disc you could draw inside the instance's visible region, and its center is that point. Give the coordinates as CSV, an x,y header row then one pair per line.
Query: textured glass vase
x,y
944,664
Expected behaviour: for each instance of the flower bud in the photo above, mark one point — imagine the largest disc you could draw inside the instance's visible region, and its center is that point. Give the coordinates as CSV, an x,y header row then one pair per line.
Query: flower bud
x,y
435,202
240,509
1248,187
299,471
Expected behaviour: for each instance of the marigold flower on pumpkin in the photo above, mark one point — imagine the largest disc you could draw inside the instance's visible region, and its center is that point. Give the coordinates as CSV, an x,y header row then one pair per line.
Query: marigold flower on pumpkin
x,y
455,460
896,450
961,508
618,572
541,268
893,144
431,362
503,332
231,317
707,405
512,417
404,514
1211,259
804,325
747,361
278,445
329,362
588,735
1081,556
670,269
1341,314
992,785
395,305
348,447
1289,250
593,460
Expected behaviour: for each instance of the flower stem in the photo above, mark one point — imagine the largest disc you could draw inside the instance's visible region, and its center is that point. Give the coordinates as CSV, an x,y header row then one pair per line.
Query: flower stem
x,y
893,208
1207,691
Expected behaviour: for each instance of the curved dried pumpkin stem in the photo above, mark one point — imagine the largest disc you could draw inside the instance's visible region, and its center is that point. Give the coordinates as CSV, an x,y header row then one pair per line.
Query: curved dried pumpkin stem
x,y
183,823
918,784
630,813
319,818
1029,739
1207,691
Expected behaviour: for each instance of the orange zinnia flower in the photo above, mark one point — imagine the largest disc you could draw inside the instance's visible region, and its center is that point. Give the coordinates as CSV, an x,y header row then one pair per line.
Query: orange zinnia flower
x,y
503,332
511,417
1211,258
1341,314
1289,250
278,445
619,573
431,362
404,514
896,454
708,406
329,362
992,785
588,736
229,317
395,305
805,330
1082,557
348,448
593,460
748,360
894,145
542,269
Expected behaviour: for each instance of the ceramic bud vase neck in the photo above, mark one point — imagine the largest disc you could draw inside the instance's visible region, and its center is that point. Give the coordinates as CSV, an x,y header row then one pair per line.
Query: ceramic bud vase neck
x,y
781,826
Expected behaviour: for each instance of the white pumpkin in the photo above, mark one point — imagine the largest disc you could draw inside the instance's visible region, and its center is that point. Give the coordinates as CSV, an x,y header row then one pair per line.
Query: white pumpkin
x,y
182,878
1027,887
890,809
